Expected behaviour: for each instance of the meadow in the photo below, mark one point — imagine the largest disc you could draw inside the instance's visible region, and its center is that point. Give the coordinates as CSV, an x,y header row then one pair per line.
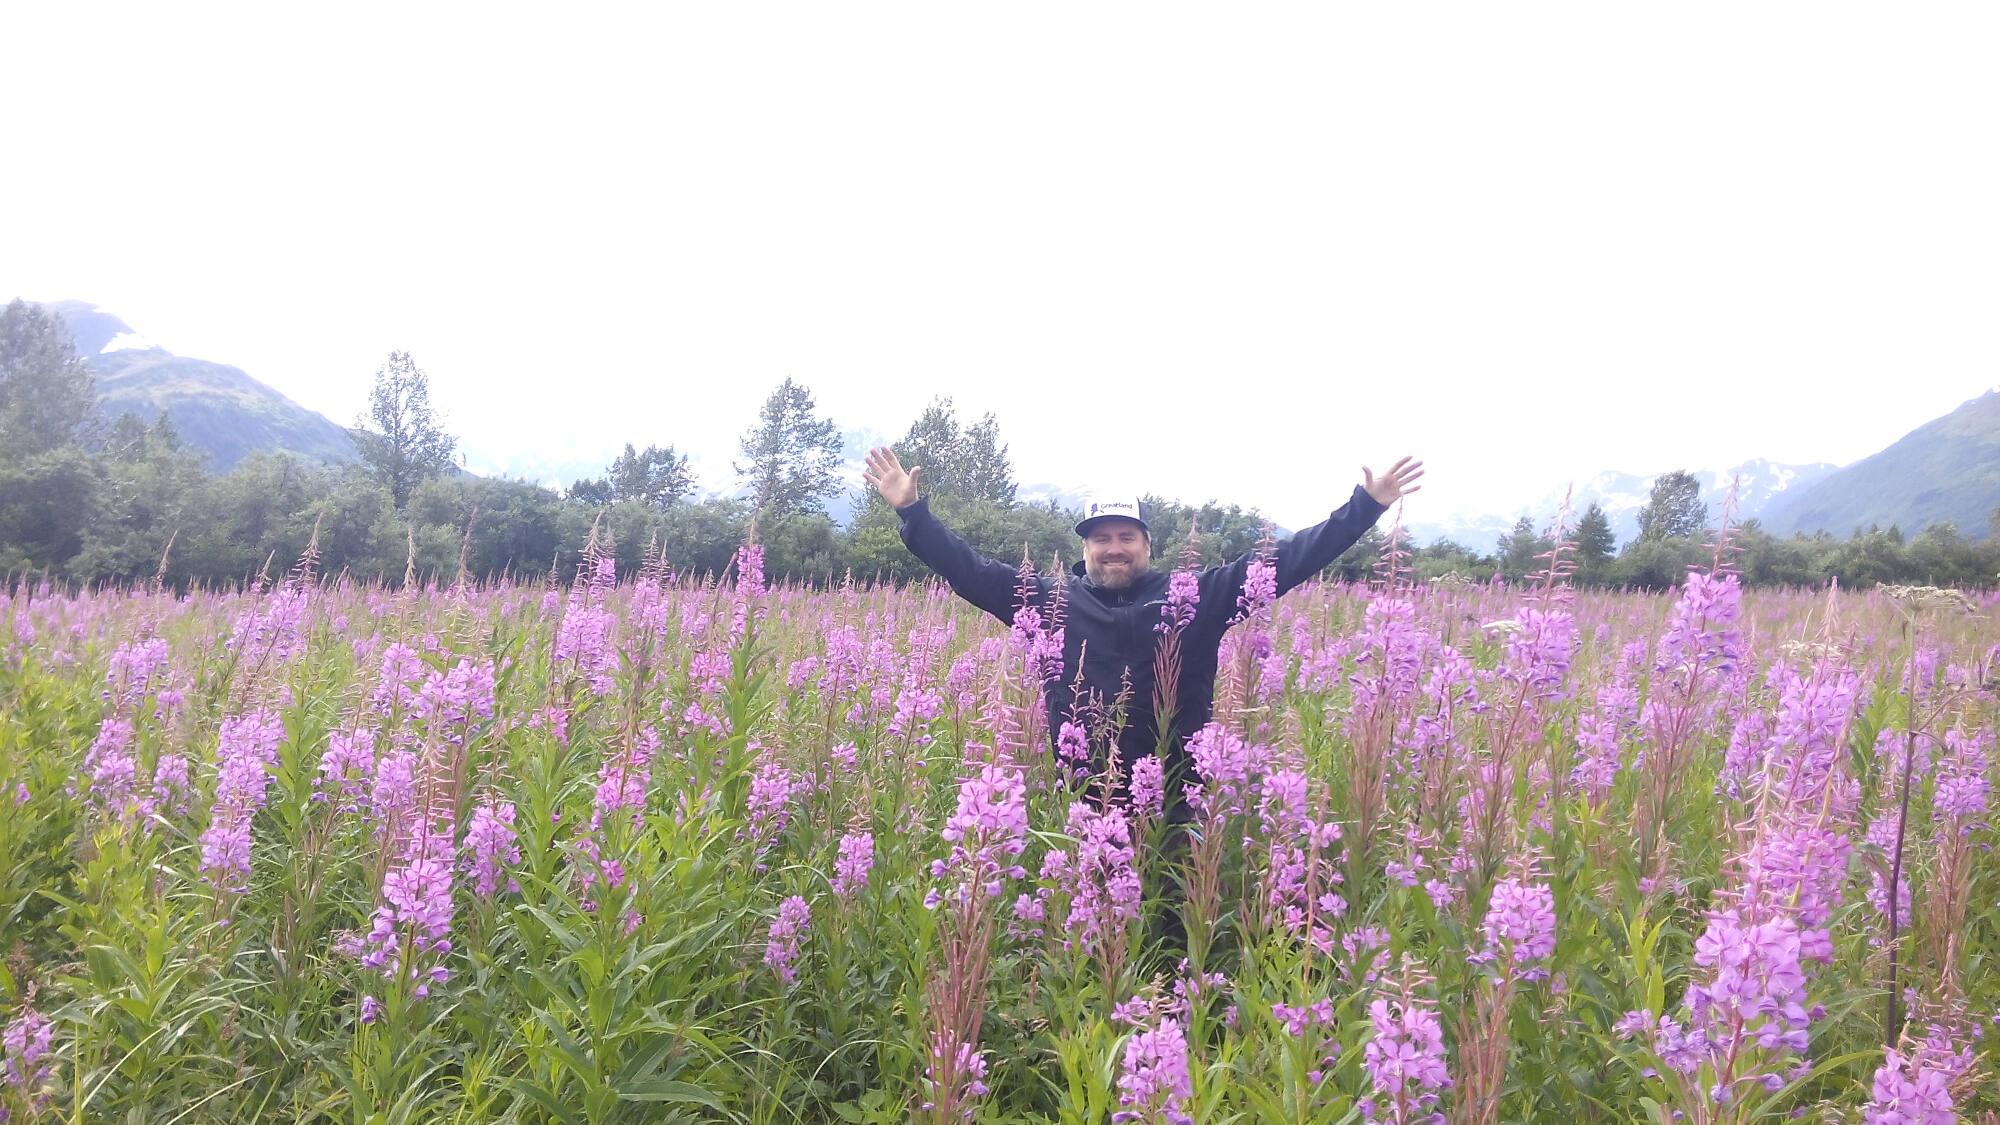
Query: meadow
x,y
661,848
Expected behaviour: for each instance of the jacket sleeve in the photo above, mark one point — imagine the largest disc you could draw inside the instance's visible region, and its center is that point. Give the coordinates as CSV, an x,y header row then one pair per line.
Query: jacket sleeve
x,y
987,584
1303,555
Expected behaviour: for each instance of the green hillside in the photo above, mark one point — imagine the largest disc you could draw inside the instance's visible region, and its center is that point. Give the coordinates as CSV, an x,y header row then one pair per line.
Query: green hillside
x,y
215,408
1945,471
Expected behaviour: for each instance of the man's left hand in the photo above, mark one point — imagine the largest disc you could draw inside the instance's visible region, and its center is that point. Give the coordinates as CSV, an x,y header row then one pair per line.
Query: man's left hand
x,y
1393,485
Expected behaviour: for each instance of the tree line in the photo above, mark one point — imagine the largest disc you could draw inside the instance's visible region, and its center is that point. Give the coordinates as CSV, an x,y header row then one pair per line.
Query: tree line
x,y
88,500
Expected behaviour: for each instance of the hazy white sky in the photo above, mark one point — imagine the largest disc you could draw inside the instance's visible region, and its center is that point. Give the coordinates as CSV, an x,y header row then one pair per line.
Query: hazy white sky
x,y
1229,251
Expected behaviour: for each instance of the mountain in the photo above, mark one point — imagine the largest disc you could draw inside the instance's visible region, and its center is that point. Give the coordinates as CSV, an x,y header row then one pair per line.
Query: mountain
x,y
1944,471
1762,486
214,407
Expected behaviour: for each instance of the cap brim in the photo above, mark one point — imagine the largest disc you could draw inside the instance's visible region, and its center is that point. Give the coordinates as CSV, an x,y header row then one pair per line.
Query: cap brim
x,y
1083,528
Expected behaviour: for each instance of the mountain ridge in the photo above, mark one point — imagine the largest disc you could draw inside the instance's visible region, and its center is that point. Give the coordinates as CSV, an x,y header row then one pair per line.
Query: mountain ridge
x,y
1944,471
228,414
216,408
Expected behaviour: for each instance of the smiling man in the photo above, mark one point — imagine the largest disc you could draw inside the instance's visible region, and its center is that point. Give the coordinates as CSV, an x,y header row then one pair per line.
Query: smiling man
x,y
1114,599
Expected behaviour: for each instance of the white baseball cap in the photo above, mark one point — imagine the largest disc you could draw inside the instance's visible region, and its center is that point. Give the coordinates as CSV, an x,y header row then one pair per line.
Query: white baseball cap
x,y
1106,509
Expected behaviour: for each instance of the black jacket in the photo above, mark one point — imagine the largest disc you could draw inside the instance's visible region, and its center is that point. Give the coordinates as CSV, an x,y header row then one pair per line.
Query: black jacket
x,y
1114,629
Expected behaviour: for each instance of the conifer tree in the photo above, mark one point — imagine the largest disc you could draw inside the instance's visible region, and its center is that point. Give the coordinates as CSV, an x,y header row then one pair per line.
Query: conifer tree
x,y
407,444
1674,510
791,457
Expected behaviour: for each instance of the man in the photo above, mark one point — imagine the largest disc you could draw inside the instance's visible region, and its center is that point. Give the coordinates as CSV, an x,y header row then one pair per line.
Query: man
x,y
1113,600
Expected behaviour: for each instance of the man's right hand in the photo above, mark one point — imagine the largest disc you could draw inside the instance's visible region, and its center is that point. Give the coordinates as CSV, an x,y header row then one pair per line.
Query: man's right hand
x,y
886,473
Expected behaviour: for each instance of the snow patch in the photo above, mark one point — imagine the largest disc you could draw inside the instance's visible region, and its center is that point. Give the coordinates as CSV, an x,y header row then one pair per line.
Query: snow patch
x,y
128,342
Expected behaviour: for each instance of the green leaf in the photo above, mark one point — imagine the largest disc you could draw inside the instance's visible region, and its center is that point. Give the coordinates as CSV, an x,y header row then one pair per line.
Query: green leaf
x,y
671,1090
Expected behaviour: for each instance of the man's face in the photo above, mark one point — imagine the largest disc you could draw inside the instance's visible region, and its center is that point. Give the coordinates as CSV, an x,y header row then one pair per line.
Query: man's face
x,y
1116,553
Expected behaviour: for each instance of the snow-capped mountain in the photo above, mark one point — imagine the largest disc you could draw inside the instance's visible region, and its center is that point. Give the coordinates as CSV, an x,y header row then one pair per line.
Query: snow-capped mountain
x,y
1760,484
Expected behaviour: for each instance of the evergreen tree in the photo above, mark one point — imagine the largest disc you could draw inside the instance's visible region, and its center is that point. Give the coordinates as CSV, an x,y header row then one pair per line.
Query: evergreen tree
x,y
791,457
1674,510
1518,550
152,492
657,478
595,491
987,471
407,445
48,397
960,463
1595,541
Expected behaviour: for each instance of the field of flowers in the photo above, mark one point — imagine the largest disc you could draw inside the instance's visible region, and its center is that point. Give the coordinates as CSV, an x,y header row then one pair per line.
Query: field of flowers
x,y
660,848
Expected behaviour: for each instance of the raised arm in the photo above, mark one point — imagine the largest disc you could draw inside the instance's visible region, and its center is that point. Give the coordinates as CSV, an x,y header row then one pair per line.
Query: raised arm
x,y
985,583
1312,550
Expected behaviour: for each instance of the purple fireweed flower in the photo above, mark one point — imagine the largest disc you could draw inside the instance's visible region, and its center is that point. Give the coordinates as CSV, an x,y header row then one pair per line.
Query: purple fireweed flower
x,y
1441,892
988,832
1755,992
801,672
1031,911
966,1065
1539,650
23,1047
1295,845
1749,740
248,748
453,703
1183,597
1298,1019
1404,1061
1136,1011
401,667
1227,765
1878,898
1388,654
1701,632
371,1009
583,639
272,633
1963,789
136,669
857,856
392,795
1153,1080
112,769
1910,1090
1604,732
1193,989
1072,745
770,803
782,948
916,706
1520,929
21,794
1806,740
1039,641
172,785
1260,588
1148,787
490,847
623,777
415,914
708,670
1104,889
346,768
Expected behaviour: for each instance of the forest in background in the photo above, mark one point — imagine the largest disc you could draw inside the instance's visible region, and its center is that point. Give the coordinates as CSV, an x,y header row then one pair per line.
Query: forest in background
x,y
88,500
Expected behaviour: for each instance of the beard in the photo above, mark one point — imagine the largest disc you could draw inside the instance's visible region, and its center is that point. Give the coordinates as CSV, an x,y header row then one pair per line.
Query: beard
x,y
1113,577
